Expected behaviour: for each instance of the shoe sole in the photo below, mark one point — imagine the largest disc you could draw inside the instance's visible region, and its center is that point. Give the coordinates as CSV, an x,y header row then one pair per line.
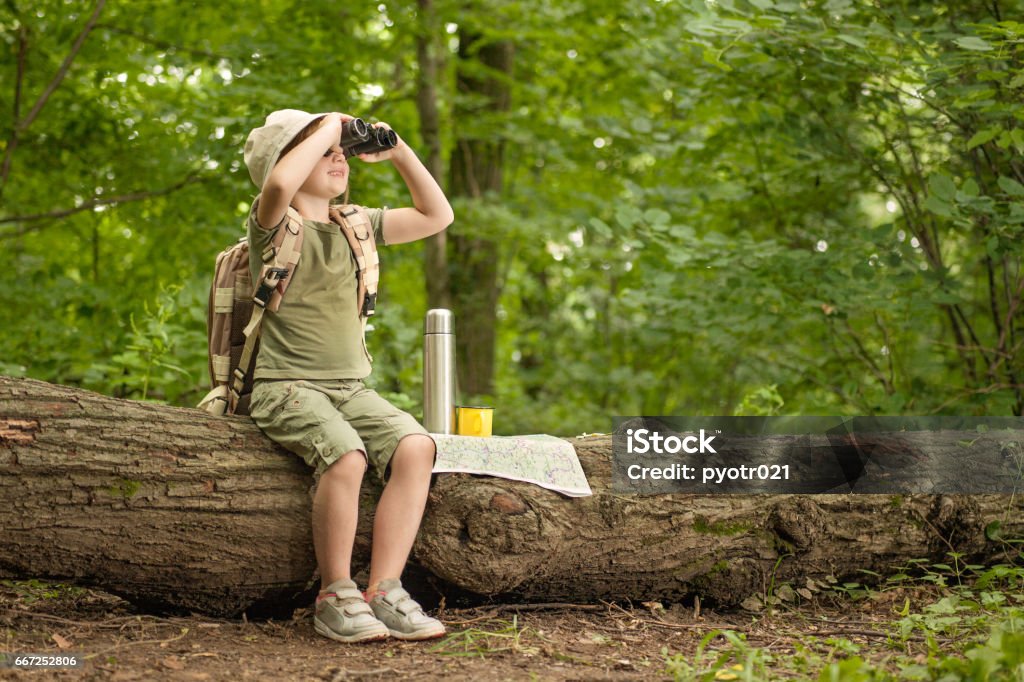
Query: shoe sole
x,y
417,636
349,639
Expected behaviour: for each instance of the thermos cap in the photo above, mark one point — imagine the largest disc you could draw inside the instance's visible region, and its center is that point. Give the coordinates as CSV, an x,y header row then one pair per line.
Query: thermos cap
x,y
438,321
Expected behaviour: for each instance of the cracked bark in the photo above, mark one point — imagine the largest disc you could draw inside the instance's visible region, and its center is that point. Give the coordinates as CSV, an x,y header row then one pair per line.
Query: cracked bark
x,y
174,509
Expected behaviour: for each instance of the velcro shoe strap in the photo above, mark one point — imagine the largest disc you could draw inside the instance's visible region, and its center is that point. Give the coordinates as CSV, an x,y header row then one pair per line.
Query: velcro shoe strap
x,y
354,608
407,607
396,595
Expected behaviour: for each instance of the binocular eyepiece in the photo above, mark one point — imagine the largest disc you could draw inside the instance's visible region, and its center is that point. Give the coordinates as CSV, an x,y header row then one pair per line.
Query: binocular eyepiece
x,y
358,137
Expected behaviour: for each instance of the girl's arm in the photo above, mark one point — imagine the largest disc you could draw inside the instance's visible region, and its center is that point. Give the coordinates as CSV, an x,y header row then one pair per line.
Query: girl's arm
x,y
292,170
431,211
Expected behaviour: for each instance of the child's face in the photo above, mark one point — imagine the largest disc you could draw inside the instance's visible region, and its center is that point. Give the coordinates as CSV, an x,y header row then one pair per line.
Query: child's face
x,y
329,177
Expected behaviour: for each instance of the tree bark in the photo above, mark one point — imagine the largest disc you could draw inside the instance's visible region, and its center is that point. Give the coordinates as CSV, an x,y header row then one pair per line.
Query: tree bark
x,y
435,256
172,508
476,169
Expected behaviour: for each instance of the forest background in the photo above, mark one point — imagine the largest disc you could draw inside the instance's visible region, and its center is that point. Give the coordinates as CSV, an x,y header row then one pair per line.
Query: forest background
x,y
677,207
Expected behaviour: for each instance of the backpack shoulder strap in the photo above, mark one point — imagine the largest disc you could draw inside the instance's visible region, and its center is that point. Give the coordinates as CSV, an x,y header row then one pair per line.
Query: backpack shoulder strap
x,y
279,261
355,225
283,252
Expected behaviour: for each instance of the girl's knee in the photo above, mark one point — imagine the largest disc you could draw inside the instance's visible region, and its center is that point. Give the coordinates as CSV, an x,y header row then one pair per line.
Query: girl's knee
x,y
415,452
349,466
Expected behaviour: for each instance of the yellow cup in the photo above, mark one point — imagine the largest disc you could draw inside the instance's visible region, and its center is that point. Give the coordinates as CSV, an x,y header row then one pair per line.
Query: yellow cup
x,y
473,420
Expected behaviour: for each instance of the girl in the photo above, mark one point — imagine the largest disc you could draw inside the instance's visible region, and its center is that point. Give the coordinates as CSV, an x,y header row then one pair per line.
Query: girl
x,y
308,392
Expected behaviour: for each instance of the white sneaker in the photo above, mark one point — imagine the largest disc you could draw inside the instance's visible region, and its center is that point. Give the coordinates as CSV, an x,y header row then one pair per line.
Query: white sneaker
x,y
402,616
342,614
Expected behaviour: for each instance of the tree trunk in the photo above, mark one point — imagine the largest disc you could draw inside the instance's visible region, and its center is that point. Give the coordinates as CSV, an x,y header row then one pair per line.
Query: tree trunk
x,y
476,173
435,256
172,508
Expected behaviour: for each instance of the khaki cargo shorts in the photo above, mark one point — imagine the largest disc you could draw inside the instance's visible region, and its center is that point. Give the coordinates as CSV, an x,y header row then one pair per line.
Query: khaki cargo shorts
x,y
322,420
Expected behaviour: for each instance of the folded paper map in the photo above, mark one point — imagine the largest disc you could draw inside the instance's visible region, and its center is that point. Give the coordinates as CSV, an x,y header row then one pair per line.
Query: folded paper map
x,y
547,461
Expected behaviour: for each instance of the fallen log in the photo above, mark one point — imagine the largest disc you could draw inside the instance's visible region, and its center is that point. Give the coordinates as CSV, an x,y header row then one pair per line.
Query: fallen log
x,y
174,509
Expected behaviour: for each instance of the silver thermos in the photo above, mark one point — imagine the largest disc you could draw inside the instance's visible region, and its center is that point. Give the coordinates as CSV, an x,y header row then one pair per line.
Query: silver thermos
x,y
439,371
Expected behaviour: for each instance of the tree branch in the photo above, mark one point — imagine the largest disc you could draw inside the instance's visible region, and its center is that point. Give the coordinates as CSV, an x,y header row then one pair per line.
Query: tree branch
x,y
12,142
22,125
833,336
861,352
63,70
889,352
935,106
970,330
163,44
192,178
976,391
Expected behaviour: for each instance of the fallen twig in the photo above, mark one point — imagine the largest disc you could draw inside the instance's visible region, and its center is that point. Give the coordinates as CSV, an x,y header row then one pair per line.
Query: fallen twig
x,y
677,626
141,641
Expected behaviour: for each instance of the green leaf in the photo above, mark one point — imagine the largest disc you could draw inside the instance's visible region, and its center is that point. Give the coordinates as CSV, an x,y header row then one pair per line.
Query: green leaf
x,y
1011,186
656,216
938,206
994,531
852,40
679,257
882,232
789,7
942,186
992,246
1017,135
600,227
983,136
682,232
973,43
711,57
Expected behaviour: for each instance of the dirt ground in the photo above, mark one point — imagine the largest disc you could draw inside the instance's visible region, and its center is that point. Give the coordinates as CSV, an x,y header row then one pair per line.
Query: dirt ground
x,y
493,642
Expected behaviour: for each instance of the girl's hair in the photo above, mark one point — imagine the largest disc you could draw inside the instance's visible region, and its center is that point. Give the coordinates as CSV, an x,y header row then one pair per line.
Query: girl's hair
x,y
298,139
301,135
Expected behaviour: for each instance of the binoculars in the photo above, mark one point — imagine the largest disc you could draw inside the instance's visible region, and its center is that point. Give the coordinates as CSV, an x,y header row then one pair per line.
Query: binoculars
x,y
358,137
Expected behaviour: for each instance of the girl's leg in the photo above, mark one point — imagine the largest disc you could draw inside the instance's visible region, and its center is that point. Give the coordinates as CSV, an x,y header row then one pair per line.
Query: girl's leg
x,y
400,508
335,513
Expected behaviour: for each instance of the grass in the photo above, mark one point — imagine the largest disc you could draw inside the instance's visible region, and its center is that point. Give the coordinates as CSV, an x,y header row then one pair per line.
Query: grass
x,y
477,642
956,621
30,591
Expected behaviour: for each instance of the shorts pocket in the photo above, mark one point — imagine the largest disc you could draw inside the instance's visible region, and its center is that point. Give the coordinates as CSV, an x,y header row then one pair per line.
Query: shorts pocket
x,y
268,399
293,399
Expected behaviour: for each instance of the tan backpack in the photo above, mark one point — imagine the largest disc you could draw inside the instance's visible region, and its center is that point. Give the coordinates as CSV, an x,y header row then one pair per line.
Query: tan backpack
x,y
235,314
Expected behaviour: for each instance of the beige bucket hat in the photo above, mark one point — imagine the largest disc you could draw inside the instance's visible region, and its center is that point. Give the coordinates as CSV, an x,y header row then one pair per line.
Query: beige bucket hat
x,y
264,144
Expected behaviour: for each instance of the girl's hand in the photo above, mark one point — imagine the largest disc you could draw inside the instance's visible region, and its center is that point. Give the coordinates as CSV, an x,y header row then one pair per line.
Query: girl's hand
x,y
386,154
334,120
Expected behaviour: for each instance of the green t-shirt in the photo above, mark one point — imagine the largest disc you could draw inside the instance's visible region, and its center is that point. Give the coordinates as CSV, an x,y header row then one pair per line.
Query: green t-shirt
x,y
316,333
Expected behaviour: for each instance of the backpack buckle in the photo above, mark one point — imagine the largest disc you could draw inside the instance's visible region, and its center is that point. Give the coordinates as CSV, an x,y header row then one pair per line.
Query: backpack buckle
x,y
267,286
369,304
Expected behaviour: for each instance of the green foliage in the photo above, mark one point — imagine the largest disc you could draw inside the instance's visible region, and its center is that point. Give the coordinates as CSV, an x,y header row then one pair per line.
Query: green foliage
x,y
763,401
736,661
748,207
146,369
33,590
971,627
